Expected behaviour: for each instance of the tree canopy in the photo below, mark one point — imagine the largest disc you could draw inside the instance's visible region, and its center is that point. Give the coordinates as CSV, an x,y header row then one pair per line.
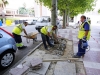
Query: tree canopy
x,y
75,7
99,11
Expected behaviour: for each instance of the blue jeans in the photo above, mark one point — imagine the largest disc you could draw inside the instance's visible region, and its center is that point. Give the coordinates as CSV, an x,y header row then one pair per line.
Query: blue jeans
x,y
80,50
45,39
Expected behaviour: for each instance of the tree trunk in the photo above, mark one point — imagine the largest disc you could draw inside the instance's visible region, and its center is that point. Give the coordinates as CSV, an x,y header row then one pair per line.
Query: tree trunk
x,y
64,19
54,12
67,20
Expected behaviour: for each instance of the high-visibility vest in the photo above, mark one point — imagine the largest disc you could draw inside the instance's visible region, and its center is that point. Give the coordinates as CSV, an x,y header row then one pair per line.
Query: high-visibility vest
x,y
18,29
45,28
81,32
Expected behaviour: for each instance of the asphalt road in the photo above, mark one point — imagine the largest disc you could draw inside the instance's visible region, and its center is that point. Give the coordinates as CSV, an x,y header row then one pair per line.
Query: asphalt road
x,y
21,53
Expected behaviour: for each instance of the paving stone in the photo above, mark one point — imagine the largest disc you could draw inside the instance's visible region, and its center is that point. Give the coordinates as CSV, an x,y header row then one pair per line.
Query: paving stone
x,y
75,49
65,68
19,70
92,71
69,42
80,74
44,68
70,36
94,49
36,62
92,56
31,73
91,65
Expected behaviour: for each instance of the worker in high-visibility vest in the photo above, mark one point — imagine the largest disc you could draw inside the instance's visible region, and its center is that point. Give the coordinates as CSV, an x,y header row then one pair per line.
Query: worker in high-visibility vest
x,y
83,34
16,33
89,21
46,33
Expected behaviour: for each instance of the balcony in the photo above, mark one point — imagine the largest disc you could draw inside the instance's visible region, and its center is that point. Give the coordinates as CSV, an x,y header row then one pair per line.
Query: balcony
x,y
11,13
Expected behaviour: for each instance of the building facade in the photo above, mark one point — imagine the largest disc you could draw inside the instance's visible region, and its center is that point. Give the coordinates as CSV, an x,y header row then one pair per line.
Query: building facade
x,y
41,10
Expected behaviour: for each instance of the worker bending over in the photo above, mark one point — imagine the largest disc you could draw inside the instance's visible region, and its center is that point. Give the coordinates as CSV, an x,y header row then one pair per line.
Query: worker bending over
x,y
83,35
17,34
46,33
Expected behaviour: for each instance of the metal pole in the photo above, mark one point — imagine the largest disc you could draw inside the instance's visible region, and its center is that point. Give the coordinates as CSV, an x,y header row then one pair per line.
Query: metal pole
x,y
54,12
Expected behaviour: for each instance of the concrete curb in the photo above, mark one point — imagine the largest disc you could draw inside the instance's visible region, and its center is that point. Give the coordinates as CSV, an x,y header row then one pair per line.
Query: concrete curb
x,y
6,73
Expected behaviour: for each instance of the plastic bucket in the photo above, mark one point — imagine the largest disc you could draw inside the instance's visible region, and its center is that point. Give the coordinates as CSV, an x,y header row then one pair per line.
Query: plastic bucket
x,y
0,23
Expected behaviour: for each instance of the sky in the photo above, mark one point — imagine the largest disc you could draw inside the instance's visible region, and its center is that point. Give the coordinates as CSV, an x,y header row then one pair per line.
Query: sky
x,y
15,4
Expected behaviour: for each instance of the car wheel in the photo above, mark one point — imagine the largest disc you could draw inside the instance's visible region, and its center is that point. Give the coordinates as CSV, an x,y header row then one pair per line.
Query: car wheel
x,y
6,59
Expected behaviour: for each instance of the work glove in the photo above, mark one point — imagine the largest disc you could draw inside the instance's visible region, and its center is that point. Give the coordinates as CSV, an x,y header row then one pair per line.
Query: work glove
x,y
84,38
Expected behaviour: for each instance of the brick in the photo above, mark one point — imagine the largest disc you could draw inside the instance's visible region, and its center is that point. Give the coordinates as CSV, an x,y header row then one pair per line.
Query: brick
x,y
36,62
19,71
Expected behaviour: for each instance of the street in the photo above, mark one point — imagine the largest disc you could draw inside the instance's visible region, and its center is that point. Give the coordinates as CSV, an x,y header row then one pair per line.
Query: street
x,y
21,53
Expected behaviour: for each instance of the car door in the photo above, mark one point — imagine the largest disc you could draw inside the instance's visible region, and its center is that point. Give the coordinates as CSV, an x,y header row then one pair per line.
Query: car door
x,y
3,38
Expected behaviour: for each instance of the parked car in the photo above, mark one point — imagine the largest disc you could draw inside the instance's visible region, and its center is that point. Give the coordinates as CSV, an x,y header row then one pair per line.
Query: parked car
x,y
44,21
32,22
7,49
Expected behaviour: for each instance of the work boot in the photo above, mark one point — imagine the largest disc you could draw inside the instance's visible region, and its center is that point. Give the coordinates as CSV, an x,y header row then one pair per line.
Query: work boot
x,y
23,47
52,46
47,48
76,56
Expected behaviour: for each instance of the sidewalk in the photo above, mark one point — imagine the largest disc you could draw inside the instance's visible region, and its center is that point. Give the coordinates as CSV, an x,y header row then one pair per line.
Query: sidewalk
x,y
89,64
92,58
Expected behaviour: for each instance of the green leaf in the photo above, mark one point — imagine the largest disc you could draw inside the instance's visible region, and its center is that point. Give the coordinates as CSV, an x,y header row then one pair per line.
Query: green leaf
x,y
74,6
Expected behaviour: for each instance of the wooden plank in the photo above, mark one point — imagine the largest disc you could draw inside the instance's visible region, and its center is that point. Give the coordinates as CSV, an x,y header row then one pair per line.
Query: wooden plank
x,y
65,68
44,68
48,60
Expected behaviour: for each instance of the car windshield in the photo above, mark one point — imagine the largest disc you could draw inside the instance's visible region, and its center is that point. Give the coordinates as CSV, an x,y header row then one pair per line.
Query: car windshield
x,y
42,19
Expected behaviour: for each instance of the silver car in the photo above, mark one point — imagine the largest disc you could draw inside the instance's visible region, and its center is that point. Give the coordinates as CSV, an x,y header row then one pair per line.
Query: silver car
x,y
7,49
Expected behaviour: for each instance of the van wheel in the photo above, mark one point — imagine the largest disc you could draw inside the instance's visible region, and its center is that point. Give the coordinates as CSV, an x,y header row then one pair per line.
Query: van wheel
x,y
6,59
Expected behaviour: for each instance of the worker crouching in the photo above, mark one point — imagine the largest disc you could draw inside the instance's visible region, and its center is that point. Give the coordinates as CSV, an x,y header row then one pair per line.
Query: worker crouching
x,y
46,33
83,35
17,34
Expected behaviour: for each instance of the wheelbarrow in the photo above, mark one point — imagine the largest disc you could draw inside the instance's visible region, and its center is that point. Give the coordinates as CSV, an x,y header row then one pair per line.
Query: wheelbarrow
x,y
32,35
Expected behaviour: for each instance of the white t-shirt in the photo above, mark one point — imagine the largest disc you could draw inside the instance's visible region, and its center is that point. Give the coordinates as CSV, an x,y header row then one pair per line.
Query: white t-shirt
x,y
49,29
23,26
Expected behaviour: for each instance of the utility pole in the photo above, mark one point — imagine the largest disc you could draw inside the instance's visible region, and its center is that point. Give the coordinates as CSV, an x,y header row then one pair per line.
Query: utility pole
x,y
54,12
